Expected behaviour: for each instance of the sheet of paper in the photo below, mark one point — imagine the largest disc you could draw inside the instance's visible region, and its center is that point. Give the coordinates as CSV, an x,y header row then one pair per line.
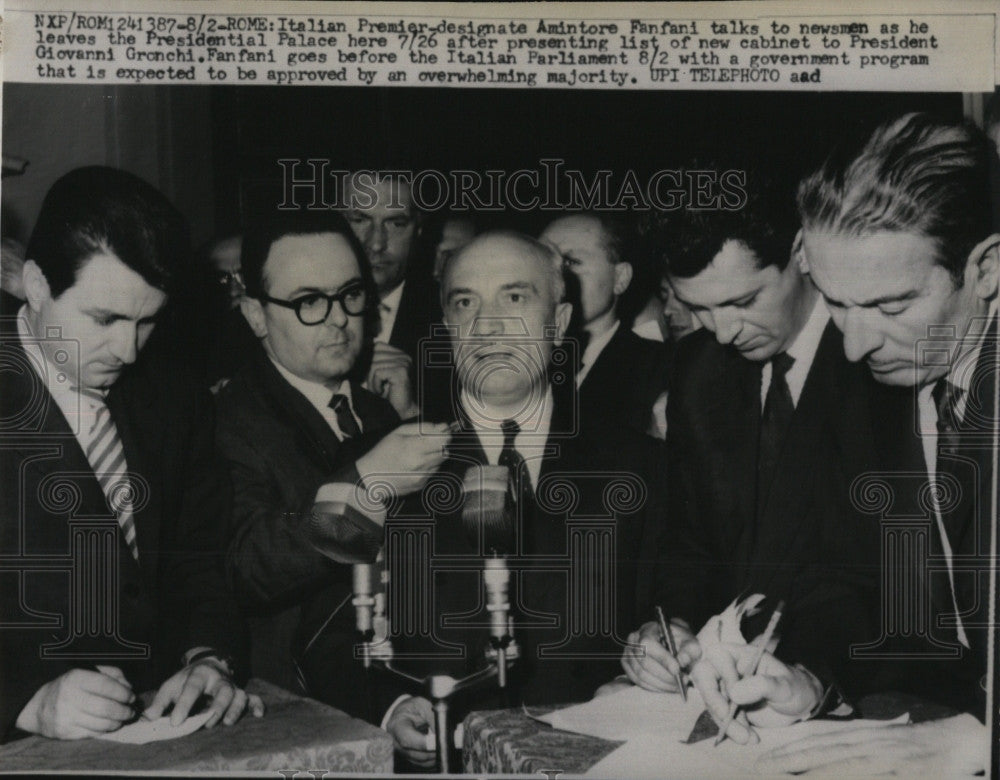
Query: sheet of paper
x,y
143,731
664,755
629,713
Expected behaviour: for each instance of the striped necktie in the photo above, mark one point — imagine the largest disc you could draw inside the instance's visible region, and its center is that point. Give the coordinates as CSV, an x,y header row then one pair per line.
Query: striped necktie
x,y
107,458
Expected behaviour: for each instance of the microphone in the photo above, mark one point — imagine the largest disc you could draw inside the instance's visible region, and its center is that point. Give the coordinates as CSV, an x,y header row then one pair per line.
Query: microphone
x,y
487,513
496,579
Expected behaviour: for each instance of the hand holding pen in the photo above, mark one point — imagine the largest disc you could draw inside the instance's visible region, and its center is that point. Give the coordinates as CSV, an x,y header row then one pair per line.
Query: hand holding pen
x,y
649,663
667,638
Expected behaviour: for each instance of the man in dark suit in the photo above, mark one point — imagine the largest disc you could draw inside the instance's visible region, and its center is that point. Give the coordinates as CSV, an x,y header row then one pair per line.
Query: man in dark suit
x,y
111,496
581,504
755,406
294,420
898,236
621,375
382,213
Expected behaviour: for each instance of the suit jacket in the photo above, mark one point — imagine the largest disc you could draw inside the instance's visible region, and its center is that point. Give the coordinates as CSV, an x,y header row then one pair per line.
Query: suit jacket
x,y
419,309
628,376
173,600
924,657
579,567
280,450
805,543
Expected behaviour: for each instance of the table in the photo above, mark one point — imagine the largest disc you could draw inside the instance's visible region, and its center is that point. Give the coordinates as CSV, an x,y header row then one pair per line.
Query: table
x,y
510,742
295,734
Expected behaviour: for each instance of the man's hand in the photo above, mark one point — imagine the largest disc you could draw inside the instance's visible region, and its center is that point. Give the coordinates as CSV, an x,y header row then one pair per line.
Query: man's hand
x,y
651,666
939,748
391,376
779,694
406,457
410,725
204,677
80,703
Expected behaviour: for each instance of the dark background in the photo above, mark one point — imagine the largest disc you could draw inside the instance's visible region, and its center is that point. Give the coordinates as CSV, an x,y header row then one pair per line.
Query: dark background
x,y
213,150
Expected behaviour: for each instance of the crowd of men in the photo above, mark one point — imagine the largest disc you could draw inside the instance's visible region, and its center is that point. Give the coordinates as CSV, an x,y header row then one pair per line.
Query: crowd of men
x,y
803,405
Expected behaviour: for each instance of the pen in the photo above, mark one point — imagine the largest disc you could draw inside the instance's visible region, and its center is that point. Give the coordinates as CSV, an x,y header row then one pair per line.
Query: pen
x,y
772,624
668,640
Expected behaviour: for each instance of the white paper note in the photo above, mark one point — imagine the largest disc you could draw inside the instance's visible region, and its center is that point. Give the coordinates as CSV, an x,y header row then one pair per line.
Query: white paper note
x,y
652,753
143,731
629,713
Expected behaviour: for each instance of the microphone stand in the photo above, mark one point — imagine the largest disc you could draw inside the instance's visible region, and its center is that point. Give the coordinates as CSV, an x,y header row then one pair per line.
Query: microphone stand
x,y
377,652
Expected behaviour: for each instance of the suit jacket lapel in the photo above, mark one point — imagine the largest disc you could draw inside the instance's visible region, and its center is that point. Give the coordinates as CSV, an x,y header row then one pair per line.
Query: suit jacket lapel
x,y
309,425
36,428
783,522
742,423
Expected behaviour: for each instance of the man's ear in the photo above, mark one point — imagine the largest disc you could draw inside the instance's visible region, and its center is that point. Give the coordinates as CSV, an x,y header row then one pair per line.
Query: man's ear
x,y
36,286
982,270
623,277
799,253
563,314
253,313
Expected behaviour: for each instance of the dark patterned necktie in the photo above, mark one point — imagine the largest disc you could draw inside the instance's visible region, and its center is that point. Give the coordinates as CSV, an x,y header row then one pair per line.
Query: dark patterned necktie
x,y
946,399
778,411
345,420
519,480
950,483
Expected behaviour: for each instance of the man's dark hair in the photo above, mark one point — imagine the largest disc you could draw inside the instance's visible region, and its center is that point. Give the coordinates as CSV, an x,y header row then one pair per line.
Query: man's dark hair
x,y
100,209
261,234
918,174
685,241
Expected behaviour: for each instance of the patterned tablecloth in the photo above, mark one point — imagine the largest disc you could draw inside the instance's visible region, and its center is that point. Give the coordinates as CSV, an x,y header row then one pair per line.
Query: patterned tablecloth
x,y
296,733
509,742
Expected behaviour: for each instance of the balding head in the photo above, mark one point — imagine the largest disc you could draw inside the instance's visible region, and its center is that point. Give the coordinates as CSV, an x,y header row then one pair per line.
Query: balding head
x,y
503,295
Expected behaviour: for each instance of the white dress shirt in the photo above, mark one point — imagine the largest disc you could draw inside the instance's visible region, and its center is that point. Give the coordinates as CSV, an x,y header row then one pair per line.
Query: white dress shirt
x,y
530,440
388,308
319,395
803,349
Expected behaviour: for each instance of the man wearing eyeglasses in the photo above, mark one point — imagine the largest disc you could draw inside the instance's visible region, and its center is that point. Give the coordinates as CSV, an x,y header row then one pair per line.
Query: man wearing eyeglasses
x,y
301,435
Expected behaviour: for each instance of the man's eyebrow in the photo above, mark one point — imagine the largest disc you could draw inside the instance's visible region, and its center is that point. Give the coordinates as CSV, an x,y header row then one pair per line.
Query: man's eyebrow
x,y
307,290
519,286
909,295
728,302
456,291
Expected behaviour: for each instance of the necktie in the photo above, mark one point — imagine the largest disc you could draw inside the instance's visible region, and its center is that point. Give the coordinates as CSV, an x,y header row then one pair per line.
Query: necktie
x,y
345,419
107,458
778,411
519,483
946,397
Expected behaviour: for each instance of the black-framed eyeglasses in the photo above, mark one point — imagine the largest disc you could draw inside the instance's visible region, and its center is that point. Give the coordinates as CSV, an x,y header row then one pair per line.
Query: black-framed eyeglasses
x,y
314,308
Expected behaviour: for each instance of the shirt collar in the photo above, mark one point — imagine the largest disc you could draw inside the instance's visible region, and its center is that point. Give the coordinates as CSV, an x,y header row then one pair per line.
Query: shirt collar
x,y
390,301
534,421
960,375
804,347
316,393
593,350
